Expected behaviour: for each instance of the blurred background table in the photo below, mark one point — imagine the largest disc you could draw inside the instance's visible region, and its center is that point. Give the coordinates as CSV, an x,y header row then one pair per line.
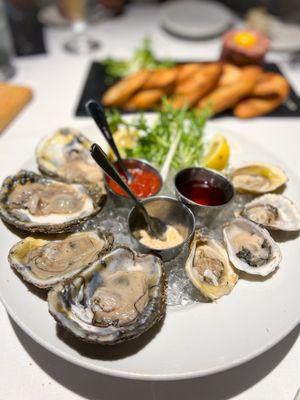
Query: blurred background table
x,y
29,372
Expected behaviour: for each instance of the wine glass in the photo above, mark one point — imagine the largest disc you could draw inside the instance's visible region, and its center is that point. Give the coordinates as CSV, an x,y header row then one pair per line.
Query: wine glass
x,y
75,11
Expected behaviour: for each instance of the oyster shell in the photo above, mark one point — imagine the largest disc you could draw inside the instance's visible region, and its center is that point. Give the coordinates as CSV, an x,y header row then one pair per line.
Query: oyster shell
x,y
65,156
44,263
251,248
117,298
37,204
273,211
257,178
209,268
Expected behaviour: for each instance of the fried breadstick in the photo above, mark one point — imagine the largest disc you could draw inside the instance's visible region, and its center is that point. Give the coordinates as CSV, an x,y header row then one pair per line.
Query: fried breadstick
x,y
254,107
202,78
186,71
161,78
269,93
227,96
209,79
119,93
230,74
184,100
144,100
269,84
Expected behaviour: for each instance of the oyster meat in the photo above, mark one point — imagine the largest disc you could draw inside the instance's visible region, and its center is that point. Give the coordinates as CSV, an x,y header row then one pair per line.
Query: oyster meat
x,y
65,155
251,248
116,298
209,268
257,178
44,263
37,204
273,211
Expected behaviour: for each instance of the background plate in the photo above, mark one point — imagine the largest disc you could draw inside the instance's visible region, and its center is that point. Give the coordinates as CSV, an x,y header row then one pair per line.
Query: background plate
x,y
192,19
192,341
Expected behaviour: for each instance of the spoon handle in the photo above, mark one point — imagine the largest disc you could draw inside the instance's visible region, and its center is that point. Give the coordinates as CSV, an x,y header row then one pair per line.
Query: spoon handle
x,y
101,159
97,113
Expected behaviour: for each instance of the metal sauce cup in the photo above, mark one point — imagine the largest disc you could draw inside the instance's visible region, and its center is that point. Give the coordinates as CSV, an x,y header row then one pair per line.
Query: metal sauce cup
x,y
170,211
123,201
204,213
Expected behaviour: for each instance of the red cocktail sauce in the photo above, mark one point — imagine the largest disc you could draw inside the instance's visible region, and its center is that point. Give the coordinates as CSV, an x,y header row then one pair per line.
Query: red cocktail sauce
x,y
202,192
145,182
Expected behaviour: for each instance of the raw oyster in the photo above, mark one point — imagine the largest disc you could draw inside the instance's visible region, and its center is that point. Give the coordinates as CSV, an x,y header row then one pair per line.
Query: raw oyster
x,y
273,211
257,178
37,204
117,298
209,268
251,248
65,156
44,263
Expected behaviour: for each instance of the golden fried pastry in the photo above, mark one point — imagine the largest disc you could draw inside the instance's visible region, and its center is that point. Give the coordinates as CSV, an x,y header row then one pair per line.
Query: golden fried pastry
x,y
120,92
269,84
200,80
184,100
144,100
186,71
254,107
193,89
225,97
161,78
230,74
269,93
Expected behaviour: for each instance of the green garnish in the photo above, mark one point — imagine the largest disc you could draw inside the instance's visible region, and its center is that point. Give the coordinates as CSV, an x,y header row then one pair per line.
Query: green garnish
x,y
155,140
142,58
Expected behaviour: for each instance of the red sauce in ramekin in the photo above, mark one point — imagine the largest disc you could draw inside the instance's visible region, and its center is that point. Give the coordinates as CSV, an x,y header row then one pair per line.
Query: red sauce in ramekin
x,y
146,182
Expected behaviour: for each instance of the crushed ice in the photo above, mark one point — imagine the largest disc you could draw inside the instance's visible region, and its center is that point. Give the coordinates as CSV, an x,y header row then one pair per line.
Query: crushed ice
x,y
180,291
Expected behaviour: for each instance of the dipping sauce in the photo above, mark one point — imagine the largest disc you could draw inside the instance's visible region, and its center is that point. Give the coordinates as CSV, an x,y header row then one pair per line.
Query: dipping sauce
x,y
202,192
146,182
173,238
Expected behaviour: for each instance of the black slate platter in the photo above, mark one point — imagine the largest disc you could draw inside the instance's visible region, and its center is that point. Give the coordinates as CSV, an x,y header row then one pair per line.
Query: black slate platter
x,y
98,81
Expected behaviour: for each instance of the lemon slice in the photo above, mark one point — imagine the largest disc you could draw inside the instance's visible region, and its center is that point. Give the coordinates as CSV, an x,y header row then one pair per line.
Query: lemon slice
x,y
125,139
218,153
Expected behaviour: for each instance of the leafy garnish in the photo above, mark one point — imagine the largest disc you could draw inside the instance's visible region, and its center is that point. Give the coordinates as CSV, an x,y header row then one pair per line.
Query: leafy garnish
x,y
155,140
142,58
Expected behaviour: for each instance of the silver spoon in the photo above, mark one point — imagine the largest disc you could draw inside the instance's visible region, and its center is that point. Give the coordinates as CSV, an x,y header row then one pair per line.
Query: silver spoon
x,y
97,113
154,226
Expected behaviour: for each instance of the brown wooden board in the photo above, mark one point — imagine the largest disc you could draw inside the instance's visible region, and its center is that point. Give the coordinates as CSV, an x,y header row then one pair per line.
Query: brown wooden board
x,y
13,99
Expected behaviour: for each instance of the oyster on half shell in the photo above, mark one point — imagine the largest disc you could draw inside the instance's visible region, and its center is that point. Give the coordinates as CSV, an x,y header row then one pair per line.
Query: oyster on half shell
x,y
37,204
44,263
65,155
257,178
273,211
117,298
251,248
209,268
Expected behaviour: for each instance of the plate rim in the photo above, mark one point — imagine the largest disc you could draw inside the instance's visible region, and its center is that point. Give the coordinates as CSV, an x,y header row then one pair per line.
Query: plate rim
x,y
74,359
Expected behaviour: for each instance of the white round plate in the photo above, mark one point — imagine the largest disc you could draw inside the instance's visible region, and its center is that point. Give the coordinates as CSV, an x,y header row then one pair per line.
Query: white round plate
x,y
192,341
193,19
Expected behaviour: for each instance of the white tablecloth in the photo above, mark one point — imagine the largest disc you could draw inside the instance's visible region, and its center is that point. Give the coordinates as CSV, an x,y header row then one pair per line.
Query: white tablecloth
x,y
29,372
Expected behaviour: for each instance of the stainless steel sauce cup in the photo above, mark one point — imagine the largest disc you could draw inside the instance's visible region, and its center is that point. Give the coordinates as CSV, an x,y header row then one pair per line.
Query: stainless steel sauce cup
x,y
170,211
204,214
123,201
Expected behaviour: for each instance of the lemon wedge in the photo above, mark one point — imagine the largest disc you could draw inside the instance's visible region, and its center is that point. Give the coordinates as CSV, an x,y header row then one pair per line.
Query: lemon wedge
x,y
124,139
218,153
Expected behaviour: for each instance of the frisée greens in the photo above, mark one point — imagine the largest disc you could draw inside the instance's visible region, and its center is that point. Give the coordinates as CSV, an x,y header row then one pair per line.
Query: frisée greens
x,y
155,139
142,58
